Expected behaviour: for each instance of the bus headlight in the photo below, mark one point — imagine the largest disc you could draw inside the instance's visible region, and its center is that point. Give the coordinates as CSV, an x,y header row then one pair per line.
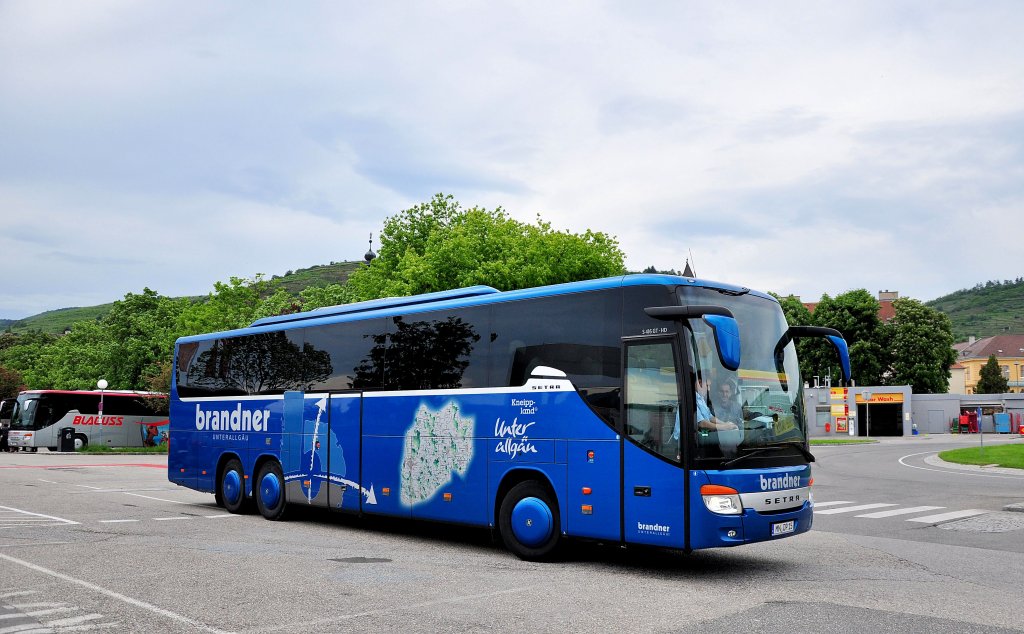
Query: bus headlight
x,y
721,500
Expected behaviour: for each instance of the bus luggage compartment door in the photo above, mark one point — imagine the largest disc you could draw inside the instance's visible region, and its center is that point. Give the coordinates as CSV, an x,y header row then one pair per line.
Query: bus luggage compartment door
x,y
343,470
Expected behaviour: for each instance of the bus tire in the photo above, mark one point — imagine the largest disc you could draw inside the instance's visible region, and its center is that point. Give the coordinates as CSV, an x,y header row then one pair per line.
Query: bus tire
x,y
529,522
81,442
269,491
231,486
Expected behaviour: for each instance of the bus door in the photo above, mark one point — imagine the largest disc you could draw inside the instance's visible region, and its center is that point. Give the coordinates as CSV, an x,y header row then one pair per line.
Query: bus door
x,y
343,447
653,477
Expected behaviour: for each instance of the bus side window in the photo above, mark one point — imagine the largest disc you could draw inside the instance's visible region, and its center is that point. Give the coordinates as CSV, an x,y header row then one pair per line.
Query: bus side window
x,y
652,397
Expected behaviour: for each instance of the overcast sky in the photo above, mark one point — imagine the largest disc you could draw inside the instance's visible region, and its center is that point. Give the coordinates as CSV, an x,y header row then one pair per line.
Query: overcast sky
x,y
802,148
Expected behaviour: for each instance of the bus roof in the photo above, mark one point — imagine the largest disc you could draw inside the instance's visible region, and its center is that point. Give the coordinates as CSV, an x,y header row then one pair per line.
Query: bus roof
x,y
379,304
458,298
105,393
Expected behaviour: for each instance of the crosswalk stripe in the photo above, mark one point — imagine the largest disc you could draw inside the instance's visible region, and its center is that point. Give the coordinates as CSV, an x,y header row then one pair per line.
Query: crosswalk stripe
x,y
942,517
850,509
819,505
905,511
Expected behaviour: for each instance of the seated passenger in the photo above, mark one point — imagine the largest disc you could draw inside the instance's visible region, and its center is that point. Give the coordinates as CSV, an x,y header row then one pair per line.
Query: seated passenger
x,y
726,401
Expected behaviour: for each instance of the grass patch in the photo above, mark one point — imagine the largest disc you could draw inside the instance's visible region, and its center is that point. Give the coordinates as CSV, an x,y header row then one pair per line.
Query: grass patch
x,y
842,441
104,449
1003,455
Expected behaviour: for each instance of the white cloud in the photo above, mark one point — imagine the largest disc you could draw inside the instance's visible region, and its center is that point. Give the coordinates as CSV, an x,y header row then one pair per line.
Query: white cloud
x,y
791,147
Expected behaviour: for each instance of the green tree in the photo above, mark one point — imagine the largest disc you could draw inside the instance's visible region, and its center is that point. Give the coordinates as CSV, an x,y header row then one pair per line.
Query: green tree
x,y
921,347
235,305
991,379
10,383
76,360
142,331
855,315
322,296
24,355
439,246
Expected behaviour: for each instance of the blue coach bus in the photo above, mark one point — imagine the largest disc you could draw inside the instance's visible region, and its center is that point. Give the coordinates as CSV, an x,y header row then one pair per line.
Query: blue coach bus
x,y
580,410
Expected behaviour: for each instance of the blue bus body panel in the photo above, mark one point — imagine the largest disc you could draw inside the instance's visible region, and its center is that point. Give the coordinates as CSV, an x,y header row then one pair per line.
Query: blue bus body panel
x,y
343,464
594,465
710,530
654,497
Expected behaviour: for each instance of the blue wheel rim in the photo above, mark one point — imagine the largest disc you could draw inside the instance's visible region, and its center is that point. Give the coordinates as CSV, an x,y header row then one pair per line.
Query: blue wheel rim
x,y
532,522
270,490
232,487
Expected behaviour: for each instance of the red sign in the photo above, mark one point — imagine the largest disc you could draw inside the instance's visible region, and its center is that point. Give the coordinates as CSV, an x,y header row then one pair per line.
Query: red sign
x,y
108,421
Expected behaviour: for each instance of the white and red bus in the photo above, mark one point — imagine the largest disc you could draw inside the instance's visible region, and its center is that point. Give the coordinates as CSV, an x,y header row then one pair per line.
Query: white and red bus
x,y
112,418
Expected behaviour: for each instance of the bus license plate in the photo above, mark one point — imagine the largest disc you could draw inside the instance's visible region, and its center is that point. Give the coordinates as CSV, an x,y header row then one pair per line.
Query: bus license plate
x,y
782,528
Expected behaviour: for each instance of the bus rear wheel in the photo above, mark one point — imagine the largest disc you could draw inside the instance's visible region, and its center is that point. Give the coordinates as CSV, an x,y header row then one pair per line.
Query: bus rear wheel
x,y
529,522
269,491
231,487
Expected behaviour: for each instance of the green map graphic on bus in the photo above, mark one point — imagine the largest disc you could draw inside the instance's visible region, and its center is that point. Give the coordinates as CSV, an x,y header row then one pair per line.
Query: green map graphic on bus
x,y
438,445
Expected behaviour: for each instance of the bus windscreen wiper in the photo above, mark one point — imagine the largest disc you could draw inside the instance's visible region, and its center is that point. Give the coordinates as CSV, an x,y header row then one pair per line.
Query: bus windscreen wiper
x,y
735,292
750,453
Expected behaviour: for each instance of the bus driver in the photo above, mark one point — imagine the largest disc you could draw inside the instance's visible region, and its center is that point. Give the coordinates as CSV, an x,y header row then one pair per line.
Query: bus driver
x,y
705,419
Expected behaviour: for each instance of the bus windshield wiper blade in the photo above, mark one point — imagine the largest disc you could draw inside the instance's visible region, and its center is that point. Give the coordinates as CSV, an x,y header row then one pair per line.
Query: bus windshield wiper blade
x,y
755,451
732,291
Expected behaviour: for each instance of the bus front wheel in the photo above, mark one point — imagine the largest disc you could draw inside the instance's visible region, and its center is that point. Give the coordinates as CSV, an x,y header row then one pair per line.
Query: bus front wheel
x,y
270,491
231,487
81,442
529,522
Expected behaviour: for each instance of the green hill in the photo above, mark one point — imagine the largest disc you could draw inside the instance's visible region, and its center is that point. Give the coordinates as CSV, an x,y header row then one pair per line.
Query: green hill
x,y
992,308
55,321
316,276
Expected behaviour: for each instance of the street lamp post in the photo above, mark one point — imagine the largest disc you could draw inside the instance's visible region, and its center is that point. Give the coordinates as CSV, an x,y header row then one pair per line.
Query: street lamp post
x,y
102,384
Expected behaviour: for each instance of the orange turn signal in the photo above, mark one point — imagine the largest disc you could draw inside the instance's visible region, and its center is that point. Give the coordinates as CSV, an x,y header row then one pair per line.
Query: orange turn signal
x,y
717,489
586,491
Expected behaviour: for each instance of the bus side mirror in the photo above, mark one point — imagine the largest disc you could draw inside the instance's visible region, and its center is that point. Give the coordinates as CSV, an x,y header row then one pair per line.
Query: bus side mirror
x,y
831,334
727,340
844,355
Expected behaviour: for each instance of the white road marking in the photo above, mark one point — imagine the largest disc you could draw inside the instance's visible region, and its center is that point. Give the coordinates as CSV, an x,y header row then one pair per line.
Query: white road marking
x,y
74,620
397,608
117,521
942,517
34,613
904,511
150,497
81,628
168,519
56,519
24,627
221,515
850,509
115,595
86,486
47,481
831,503
19,593
953,471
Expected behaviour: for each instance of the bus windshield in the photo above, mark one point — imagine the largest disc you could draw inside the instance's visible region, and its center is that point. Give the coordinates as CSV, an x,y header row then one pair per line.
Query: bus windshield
x,y
759,406
25,413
